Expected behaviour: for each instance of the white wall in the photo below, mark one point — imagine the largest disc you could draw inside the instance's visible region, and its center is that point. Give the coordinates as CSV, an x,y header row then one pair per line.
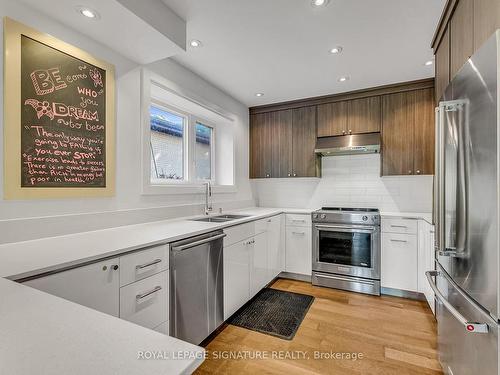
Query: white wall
x,y
349,181
128,205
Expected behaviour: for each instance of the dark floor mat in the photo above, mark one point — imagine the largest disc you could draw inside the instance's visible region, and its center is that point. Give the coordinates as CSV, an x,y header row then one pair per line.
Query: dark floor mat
x,y
274,312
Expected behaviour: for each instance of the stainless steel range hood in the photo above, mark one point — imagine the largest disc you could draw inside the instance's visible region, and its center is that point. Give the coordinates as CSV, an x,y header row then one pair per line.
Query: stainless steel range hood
x,y
348,144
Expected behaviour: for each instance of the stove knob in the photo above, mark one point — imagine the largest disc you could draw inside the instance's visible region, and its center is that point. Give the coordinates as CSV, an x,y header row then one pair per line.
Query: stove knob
x,y
315,216
365,218
323,216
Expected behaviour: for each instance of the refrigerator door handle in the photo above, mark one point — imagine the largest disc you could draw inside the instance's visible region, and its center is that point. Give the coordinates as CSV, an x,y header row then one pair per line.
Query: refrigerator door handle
x,y
471,327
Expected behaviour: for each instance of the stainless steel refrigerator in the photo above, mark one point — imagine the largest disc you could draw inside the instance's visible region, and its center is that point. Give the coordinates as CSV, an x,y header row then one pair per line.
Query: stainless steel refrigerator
x,y
467,205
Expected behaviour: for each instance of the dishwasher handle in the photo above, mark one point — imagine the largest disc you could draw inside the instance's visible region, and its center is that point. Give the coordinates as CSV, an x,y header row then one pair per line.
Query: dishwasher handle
x,y
471,327
197,243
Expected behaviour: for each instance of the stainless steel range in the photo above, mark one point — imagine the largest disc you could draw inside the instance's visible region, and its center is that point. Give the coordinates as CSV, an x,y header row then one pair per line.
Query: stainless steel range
x,y
346,249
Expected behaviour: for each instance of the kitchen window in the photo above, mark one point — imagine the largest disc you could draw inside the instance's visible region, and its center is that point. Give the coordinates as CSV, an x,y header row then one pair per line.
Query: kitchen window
x,y
185,142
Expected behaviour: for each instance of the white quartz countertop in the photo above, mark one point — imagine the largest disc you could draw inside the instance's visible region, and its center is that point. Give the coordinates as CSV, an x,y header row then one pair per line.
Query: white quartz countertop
x,y
412,215
45,335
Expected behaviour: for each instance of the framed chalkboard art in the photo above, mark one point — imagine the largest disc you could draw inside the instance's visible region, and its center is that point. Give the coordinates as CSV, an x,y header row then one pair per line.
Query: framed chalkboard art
x,y
59,118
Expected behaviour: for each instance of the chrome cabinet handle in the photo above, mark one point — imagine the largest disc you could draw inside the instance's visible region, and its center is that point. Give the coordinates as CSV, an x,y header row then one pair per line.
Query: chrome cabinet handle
x,y
249,242
298,233
393,240
471,327
146,294
298,220
295,175
410,172
418,171
350,131
289,175
343,132
398,226
145,265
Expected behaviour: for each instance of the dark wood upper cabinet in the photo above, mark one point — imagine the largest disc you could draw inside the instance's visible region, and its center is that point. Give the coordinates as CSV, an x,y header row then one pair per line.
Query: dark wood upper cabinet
x,y
332,119
282,143
424,132
363,115
461,35
304,142
397,134
408,133
443,64
486,20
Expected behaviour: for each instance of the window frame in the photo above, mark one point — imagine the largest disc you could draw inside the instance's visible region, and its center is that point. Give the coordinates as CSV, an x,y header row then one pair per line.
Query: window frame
x,y
182,187
199,120
185,144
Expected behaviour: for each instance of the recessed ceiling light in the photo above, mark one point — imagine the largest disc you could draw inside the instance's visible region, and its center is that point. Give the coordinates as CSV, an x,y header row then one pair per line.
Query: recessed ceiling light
x,y
429,63
319,3
343,79
259,94
195,43
88,12
336,50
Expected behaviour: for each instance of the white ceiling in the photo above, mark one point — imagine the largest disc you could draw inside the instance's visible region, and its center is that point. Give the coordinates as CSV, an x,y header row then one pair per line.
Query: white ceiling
x,y
281,47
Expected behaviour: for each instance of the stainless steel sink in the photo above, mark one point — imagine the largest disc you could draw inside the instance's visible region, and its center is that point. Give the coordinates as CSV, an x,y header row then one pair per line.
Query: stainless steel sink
x,y
220,218
212,219
232,217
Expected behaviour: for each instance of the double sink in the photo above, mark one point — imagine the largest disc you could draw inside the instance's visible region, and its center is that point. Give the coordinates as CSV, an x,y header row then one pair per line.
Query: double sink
x,y
220,218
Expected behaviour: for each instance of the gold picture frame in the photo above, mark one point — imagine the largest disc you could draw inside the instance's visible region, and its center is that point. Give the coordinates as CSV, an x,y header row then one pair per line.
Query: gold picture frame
x,y
13,31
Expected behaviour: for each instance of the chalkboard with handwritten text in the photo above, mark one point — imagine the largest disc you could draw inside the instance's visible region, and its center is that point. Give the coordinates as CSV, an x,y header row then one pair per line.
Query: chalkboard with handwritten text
x,y
63,119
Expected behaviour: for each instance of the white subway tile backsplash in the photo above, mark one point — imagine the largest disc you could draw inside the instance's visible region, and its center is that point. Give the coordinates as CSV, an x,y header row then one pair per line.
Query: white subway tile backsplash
x,y
349,181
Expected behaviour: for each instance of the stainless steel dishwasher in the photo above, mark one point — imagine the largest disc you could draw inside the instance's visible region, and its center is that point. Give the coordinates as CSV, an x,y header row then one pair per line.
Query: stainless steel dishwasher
x,y
196,287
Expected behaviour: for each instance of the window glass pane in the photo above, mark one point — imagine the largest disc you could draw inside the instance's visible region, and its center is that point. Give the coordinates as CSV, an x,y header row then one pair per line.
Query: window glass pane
x,y
203,152
167,144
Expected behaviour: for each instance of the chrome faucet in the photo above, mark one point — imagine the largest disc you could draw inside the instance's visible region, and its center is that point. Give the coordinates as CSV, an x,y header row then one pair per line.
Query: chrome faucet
x,y
208,194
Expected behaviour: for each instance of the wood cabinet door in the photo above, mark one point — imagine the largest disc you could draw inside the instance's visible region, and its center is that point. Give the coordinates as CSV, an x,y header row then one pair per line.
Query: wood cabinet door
x,y
423,160
332,119
486,20
262,164
304,142
443,64
461,35
281,139
398,115
363,115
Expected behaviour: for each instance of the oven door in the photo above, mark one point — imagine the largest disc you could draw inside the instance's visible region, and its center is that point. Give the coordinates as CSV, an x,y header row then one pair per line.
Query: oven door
x,y
352,250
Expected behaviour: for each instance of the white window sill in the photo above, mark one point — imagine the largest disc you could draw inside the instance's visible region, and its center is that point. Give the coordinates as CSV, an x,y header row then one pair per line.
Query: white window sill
x,y
183,188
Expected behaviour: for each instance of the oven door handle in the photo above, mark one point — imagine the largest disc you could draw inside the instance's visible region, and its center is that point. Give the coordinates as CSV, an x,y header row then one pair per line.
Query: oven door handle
x,y
347,228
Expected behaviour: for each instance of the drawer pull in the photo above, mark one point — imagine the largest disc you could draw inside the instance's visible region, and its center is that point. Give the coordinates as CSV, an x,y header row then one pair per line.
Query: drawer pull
x,y
398,226
393,240
146,294
298,233
145,265
298,220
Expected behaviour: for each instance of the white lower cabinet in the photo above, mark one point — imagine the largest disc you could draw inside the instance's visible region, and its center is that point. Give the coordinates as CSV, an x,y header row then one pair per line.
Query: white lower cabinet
x,y
96,285
399,261
253,256
145,302
298,250
236,261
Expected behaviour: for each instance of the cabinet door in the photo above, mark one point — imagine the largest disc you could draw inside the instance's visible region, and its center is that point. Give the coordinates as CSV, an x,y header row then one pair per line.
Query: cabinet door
x,y
399,262
398,115
443,64
282,144
236,262
461,35
258,269
274,247
423,161
364,115
332,119
486,20
258,150
298,250
96,286
304,142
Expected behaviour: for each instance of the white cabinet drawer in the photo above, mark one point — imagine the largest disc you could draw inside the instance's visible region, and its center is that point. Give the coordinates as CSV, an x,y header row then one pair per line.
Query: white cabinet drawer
x,y
238,233
399,264
141,264
163,328
145,302
298,220
399,225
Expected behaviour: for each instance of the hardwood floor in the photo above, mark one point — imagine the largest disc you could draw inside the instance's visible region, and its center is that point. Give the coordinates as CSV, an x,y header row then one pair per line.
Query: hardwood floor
x,y
394,335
